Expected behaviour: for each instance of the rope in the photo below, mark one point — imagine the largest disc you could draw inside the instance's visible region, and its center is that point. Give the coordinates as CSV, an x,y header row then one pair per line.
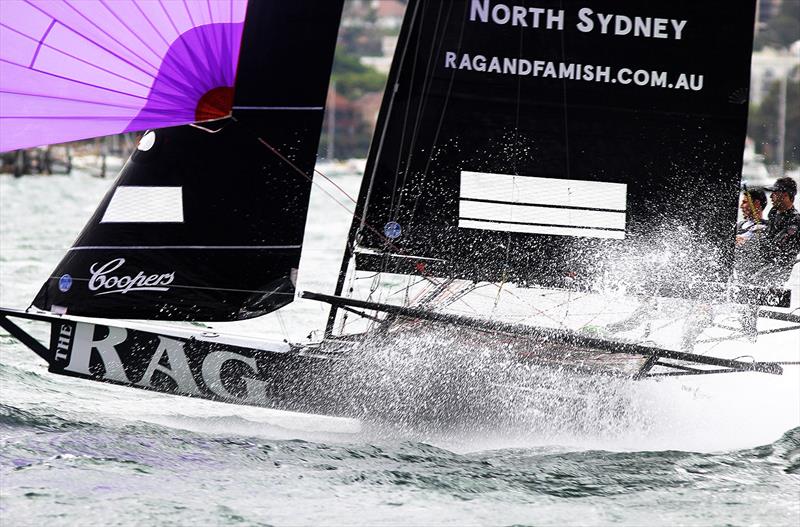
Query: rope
x,y
387,241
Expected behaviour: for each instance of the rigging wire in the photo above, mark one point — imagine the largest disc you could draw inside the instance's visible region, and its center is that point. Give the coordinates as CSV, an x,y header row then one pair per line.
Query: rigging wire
x,y
440,123
566,111
311,179
404,128
362,220
424,98
282,324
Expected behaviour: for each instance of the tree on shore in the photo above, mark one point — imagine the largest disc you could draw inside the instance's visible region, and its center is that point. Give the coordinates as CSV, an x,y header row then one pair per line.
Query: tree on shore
x,y
783,29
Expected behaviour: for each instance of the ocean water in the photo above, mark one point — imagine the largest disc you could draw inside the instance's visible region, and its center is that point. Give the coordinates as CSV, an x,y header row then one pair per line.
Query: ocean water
x,y
719,450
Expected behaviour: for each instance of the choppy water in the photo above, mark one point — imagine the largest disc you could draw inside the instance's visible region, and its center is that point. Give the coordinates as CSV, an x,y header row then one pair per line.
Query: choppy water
x,y
713,451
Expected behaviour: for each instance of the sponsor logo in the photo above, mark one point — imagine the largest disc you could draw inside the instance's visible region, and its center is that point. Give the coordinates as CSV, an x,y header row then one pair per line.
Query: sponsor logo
x,y
63,342
64,283
115,350
392,230
105,283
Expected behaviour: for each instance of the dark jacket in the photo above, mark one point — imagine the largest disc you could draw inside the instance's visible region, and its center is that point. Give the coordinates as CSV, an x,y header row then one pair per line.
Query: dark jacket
x,y
780,246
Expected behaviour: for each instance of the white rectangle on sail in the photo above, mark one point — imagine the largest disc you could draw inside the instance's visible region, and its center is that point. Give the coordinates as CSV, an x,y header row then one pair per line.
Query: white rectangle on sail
x,y
131,204
526,204
544,191
509,212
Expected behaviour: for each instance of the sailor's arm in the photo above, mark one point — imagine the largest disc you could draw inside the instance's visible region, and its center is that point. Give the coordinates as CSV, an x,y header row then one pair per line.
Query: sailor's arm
x,y
787,243
793,238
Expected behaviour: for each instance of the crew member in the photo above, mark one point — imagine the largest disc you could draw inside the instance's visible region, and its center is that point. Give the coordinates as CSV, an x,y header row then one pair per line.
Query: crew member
x,y
748,263
748,256
781,241
776,249
749,233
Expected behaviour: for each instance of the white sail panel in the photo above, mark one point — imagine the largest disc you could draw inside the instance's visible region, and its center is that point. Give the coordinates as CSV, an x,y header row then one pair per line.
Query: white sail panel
x,y
510,212
540,229
132,204
526,204
543,191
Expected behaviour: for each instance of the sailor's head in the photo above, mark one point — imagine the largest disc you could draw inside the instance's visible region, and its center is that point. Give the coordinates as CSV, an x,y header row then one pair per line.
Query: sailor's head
x,y
783,192
753,203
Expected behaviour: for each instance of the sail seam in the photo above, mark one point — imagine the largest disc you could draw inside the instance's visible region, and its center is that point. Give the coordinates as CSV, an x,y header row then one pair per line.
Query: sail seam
x,y
198,287
546,206
41,41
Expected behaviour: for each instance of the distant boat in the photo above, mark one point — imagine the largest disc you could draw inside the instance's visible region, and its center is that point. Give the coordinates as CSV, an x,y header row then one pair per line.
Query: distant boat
x,y
519,152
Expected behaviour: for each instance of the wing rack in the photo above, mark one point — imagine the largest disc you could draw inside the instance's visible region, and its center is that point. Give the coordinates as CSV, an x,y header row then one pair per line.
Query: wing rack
x,y
677,362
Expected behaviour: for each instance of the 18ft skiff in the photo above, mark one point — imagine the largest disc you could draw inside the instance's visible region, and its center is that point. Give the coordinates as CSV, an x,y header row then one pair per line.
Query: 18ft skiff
x,y
524,151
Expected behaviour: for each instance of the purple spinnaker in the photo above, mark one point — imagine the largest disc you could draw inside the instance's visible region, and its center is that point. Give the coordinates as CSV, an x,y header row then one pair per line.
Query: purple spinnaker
x,y
75,70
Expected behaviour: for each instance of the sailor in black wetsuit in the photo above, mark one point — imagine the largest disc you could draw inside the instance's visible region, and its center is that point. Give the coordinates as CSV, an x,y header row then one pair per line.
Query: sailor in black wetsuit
x,y
781,243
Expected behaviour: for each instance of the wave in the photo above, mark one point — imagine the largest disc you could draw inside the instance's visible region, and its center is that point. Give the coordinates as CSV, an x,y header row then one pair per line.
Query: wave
x,y
14,418
784,451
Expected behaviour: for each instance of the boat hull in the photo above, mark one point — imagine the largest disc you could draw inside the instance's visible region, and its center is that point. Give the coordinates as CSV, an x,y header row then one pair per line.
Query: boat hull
x,y
421,373
415,369
195,364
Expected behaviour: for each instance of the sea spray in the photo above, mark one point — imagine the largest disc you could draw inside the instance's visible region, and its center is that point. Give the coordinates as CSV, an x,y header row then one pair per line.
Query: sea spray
x,y
430,378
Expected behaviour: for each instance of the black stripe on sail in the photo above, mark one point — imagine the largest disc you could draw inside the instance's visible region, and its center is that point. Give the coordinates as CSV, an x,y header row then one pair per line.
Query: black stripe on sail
x,y
569,207
189,247
544,224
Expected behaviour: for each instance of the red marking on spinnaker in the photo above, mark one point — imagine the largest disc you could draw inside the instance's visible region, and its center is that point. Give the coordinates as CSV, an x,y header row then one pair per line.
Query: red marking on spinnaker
x,y
215,103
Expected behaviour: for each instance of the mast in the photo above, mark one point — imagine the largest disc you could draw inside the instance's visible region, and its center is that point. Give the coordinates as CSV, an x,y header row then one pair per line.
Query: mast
x,y
781,155
358,222
332,122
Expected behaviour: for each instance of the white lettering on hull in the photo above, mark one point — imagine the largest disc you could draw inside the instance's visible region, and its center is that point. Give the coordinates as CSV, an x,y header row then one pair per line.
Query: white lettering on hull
x,y
212,371
179,370
82,348
64,340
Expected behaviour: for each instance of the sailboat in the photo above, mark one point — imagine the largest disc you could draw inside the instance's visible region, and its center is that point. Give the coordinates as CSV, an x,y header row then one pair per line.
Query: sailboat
x,y
535,153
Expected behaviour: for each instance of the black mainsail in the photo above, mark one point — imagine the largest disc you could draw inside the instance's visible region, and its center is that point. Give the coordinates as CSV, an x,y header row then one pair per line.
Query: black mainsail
x,y
206,222
528,143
